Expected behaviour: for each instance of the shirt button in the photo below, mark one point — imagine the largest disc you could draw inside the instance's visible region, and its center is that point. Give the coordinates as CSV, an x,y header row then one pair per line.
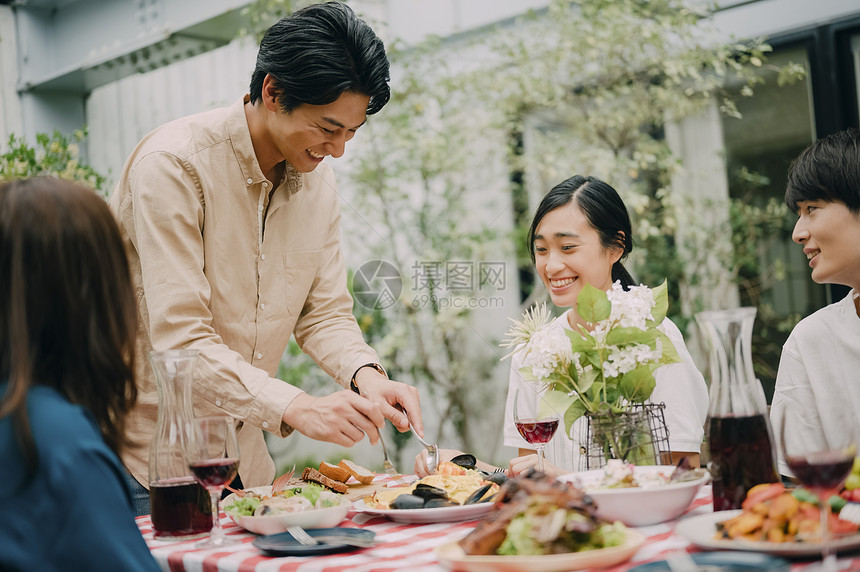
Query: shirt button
x,y
259,356
260,208
262,256
265,184
262,306
250,180
218,402
264,424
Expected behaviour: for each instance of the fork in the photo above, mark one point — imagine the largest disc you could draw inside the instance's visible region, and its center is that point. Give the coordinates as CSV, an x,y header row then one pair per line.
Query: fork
x,y
278,484
388,465
305,539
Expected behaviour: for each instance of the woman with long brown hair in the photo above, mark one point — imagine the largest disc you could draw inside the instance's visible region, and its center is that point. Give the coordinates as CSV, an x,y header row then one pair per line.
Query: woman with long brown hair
x,y
67,330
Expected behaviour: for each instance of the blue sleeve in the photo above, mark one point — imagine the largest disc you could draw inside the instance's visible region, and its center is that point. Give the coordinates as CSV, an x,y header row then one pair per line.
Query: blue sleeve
x,y
99,531
75,512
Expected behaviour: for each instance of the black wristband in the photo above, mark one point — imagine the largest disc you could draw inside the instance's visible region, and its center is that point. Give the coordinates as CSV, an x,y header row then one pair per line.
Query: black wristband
x,y
375,366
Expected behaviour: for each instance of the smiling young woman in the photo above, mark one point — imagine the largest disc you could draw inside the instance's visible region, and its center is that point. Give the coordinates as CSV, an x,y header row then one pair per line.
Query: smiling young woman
x,y
580,235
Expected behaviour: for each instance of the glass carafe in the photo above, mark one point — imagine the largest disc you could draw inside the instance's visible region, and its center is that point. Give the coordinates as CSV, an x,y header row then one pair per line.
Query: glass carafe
x,y
180,506
738,431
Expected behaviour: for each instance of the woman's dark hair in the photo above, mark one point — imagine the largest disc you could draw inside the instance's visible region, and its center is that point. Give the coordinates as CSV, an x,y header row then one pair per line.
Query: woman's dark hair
x,y
603,209
67,303
319,52
827,170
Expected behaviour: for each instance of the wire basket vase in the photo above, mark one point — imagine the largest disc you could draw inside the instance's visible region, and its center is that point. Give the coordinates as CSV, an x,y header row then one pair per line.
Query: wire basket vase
x,y
638,435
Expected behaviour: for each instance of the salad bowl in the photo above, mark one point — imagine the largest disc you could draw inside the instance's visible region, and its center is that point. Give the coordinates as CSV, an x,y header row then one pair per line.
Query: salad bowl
x,y
656,500
277,523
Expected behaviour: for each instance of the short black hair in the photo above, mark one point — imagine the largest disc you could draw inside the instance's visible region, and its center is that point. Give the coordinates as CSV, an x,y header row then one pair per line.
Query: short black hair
x,y
318,53
603,209
827,170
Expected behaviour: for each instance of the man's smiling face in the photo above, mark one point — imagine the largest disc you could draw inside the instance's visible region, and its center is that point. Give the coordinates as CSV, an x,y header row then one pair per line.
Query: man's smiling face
x,y
308,133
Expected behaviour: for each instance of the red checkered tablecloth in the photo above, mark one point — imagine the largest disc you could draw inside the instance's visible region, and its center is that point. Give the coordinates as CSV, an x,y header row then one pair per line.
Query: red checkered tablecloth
x,y
406,547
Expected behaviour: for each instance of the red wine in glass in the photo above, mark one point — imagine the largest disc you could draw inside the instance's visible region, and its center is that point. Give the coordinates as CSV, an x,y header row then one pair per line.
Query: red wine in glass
x,y
212,453
823,471
537,432
215,473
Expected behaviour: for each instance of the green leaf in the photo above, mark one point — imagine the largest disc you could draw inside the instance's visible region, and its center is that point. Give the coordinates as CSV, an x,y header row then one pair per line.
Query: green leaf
x,y
526,374
574,375
637,385
574,412
593,358
624,336
670,353
592,305
580,342
661,304
586,380
556,377
555,403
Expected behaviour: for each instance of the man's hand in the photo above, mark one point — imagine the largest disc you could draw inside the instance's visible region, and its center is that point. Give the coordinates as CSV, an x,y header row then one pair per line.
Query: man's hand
x,y
387,394
343,417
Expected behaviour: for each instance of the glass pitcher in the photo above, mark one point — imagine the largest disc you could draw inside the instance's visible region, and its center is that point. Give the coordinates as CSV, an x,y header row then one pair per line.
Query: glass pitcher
x,y
180,505
737,428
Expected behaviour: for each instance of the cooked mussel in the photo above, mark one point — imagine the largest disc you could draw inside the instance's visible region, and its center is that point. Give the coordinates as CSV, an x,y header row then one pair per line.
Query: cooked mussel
x,y
479,495
404,502
439,503
465,460
428,492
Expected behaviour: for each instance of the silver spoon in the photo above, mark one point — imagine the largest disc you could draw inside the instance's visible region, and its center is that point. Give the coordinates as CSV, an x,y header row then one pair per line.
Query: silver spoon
x,y
432,450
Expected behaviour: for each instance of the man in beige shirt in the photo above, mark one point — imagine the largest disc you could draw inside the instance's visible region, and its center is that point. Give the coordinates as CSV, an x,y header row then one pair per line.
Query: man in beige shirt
x,y
231,221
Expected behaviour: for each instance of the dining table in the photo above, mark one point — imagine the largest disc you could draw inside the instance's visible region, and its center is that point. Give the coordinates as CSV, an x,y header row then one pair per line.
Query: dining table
x,y
402,547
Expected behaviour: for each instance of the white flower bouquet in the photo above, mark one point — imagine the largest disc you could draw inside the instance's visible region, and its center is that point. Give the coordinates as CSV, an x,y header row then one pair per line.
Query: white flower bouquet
x,y
603,369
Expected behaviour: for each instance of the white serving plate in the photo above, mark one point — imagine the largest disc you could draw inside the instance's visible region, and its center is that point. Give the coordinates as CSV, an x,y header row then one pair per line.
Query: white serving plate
x,y
428,515
452,557
701,530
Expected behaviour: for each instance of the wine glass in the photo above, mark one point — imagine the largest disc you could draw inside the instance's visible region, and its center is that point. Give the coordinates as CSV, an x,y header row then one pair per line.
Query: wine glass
x,y
212,454
535,427
823,472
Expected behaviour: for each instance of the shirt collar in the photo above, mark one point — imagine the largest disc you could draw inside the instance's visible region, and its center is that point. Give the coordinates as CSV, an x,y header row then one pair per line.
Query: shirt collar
x,y
240,135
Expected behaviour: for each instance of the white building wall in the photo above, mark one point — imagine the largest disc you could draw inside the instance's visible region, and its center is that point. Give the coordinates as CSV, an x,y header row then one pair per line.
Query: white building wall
x,y
10,107
121,113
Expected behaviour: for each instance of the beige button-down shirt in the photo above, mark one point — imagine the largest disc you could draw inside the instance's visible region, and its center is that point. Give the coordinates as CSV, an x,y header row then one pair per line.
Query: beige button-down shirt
x,y
224,265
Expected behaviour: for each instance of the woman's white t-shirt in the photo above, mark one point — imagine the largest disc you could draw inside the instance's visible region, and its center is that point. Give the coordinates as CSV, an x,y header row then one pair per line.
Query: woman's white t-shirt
x,y
679,385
